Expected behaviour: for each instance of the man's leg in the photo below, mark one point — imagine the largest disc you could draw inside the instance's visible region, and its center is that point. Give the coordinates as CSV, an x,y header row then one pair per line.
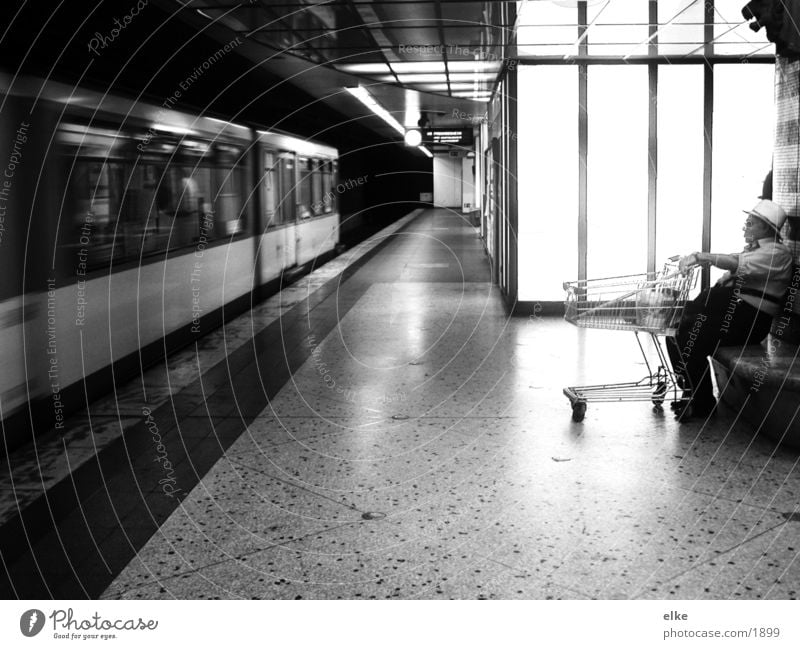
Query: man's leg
x,y
705,322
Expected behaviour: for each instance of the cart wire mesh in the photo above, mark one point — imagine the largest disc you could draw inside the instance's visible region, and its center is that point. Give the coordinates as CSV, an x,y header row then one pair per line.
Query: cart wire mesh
x,y
648,303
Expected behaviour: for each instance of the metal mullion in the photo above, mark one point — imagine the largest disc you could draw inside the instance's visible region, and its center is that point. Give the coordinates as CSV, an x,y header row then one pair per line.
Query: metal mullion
x,y
652,141
585,33
708,131
583,142
512,246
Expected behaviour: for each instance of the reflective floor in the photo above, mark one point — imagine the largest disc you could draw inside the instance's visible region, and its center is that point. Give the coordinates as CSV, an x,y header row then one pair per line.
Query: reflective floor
x,y
420,447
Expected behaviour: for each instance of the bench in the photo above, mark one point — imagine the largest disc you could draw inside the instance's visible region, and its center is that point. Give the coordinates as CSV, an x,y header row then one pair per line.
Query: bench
x,y
763,382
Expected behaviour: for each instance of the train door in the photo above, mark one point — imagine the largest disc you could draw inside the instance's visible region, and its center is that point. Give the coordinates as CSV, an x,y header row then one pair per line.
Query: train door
x,y
288,218
303,203
278,246
269,262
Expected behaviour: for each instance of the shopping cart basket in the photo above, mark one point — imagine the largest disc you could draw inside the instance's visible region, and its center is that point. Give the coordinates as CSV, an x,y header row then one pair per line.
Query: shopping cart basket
x,y
649,304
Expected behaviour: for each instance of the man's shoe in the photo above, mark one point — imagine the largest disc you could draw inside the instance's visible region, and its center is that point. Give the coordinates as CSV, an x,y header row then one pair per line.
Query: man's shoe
x,y
680,404
694,410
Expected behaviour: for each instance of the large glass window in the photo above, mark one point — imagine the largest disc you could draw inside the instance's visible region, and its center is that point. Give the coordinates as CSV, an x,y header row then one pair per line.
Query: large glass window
x,y
732,35
681,27
548,180
618,27
681,140
617,170
546,28
743,139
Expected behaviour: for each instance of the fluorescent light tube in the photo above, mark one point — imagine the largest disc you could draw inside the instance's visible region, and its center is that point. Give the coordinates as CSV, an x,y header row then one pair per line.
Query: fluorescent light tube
x,y
360,93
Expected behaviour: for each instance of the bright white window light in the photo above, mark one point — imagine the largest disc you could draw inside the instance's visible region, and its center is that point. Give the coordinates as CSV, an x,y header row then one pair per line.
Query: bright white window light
x,y
425,151
413,137
360,93
364,68
474,66
441,78
443,86
484,94
415,67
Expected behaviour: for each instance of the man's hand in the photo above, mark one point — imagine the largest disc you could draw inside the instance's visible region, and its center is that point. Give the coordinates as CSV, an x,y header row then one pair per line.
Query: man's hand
x,y
687,262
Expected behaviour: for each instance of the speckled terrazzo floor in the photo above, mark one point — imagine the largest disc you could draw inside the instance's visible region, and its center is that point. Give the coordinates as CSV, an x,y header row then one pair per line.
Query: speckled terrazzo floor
x,y
423,449
30,471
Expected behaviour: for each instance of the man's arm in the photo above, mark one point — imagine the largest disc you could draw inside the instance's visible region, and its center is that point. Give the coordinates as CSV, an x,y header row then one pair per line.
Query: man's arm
x,y
726,262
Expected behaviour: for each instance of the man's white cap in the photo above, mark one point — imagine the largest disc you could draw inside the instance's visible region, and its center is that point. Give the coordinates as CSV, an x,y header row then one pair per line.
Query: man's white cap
x,y
770,212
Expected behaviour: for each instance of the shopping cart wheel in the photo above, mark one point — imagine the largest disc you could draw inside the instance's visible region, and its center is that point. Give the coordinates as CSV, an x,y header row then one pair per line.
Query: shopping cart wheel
x,y
578,410
659,392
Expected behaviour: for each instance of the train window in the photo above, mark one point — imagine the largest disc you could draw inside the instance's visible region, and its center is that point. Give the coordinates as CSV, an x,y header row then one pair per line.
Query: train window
x,y
317,202
170,197
286,188
269,186
328,193
93,205
227,203
305,170
147,228
186,197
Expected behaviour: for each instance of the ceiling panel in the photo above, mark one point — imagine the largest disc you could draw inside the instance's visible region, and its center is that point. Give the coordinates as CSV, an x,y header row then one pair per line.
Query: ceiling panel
x,y
445,56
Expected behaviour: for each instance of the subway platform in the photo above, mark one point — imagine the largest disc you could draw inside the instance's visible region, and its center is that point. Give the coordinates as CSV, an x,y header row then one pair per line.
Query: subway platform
x,y
383,429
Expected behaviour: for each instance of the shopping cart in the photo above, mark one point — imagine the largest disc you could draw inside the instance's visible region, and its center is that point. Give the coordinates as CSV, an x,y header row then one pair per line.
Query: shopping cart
x,y
648,304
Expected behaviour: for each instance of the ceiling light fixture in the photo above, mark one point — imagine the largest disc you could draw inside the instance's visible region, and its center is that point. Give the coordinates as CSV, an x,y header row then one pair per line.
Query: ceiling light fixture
x,y
441,78
413,137
361,93
364,68
425,151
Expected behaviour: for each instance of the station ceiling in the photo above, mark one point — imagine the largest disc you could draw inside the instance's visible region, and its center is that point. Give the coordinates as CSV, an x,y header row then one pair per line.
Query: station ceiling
x,y
441,59
438,59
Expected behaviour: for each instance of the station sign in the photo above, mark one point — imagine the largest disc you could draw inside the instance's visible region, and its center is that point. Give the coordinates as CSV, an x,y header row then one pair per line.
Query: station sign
x,y
447,136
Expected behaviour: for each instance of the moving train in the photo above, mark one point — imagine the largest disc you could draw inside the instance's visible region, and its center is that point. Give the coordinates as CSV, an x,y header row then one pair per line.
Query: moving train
x,y
128,229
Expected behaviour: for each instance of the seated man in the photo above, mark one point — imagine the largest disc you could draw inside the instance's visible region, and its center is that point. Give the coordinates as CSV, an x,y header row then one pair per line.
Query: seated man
x,y
738,310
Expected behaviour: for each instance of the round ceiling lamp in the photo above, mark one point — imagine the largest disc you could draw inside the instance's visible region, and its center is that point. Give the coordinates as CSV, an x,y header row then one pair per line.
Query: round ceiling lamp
x,y
413,137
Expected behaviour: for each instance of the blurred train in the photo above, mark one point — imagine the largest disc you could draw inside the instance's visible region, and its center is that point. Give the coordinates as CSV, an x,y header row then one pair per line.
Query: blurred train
x,y
128,229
